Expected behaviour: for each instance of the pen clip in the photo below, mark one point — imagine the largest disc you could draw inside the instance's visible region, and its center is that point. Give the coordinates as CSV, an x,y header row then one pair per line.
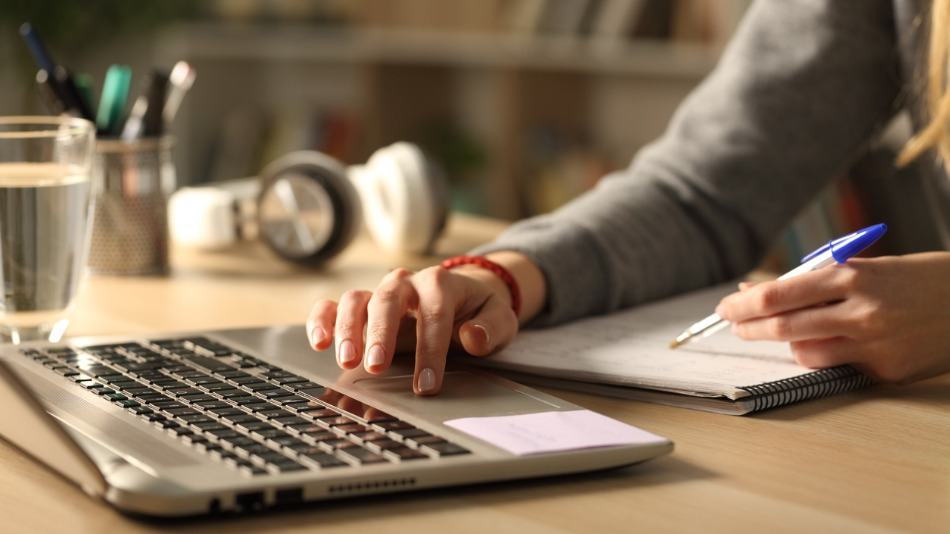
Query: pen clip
x,y
827,246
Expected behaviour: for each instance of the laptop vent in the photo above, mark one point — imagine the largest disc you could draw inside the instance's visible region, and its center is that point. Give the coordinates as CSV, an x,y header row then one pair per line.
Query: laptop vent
x,y
378,485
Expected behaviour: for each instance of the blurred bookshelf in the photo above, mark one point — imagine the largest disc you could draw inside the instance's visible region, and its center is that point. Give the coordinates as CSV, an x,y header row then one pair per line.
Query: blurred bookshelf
x,y
524,103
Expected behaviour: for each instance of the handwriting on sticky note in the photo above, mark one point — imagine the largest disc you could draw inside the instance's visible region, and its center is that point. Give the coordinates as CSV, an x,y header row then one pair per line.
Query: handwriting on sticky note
x,y
537,433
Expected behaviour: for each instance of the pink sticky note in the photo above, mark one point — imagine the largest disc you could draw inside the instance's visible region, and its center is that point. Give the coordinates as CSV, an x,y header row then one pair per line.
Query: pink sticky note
x,y
537,433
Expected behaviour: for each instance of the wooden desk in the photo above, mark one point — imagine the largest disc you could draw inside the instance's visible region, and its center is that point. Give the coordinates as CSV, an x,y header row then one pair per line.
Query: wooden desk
x,y
875,460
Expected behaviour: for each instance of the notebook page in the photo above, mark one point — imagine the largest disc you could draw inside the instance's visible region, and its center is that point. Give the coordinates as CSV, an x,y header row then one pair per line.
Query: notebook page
x,y
632,348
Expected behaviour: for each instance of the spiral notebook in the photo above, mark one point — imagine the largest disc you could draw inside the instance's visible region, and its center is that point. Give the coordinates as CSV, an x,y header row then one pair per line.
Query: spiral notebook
x,y
626,354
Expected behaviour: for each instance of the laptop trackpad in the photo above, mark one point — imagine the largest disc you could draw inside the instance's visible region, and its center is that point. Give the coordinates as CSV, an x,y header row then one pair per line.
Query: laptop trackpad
x,y
464,394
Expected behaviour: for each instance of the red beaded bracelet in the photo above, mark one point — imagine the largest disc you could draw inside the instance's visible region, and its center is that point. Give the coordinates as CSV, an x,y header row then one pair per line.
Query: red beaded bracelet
x,y
501,272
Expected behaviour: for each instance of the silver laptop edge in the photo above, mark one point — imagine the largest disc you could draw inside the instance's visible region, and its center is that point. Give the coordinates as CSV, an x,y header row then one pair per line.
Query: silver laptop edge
x,y
138,468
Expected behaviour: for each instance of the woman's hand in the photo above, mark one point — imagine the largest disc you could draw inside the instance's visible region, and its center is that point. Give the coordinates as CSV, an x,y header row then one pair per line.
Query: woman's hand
x,y
427,310
887,316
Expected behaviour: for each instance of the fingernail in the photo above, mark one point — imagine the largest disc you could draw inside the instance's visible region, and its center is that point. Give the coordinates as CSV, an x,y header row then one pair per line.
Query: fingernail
x,y
375,356
427,380
316,336
346,353
485,334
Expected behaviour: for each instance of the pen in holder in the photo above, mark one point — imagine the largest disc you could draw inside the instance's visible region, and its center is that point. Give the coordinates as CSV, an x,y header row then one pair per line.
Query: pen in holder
x,y
132,181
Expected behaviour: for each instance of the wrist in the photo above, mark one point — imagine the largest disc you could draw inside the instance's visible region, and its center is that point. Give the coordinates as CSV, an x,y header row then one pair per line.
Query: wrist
x,y
500,273
527,276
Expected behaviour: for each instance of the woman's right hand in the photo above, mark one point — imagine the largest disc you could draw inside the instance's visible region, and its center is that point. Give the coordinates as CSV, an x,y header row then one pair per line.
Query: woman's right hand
x,y
429,310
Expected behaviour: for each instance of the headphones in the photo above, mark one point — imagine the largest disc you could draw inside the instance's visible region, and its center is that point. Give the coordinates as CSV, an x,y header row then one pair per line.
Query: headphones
x,y
307,206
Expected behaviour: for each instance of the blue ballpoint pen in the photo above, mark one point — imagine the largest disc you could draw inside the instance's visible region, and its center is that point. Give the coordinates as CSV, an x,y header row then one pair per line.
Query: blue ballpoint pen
x,y
835,251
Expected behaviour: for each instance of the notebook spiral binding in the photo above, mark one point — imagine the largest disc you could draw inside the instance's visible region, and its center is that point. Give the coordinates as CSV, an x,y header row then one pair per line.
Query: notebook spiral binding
x,y
822,383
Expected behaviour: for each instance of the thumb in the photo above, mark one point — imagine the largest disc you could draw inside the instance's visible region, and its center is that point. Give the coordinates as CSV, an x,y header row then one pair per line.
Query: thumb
x,y
492,327
746,285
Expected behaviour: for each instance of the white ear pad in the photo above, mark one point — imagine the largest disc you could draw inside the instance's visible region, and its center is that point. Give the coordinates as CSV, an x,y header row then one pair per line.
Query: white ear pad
x,y
403,205
203,217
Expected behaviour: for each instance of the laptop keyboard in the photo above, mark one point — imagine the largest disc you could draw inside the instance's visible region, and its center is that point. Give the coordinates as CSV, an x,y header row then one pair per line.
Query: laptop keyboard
x,y
246,413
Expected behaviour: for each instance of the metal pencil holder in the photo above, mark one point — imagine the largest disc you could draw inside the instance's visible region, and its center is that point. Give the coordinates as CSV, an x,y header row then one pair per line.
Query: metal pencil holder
x,y
131,183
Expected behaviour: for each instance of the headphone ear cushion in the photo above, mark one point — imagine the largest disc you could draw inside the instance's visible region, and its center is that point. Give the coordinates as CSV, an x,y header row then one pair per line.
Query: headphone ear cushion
x,y
329,175
405,202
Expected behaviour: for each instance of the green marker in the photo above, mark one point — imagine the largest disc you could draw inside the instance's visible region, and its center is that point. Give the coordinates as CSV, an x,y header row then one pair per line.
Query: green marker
x,y
84,84
115,94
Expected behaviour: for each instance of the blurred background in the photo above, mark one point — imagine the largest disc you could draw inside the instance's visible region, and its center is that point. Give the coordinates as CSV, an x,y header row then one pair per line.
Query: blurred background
x,y
525,103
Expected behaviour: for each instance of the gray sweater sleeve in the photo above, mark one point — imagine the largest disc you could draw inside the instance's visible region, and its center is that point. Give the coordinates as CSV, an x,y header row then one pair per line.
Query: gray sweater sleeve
x,y
800,89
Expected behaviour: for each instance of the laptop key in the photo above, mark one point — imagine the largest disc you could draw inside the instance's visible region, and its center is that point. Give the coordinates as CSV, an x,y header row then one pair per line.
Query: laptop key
x,y
246,379
352,427
446,448
200,397
381,445
209,426
318,434
319,413
181,411
207,363
274,413
255,448
393,425
258,386
376,416
224,434
409,432
229,411
269,432
289,466
294,379
364,456
293,402
309,388
370,435
338,443
253,426
195,419
336,421
291,420
276,393
241,417
243,441
325,460
299,446
212,404
405,453
419,441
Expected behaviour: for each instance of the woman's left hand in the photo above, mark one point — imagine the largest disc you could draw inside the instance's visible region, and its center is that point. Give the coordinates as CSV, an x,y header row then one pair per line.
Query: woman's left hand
x,y
887,316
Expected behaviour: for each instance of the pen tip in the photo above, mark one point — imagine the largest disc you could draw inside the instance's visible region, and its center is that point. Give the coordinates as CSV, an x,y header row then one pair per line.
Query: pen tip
x,y
675,343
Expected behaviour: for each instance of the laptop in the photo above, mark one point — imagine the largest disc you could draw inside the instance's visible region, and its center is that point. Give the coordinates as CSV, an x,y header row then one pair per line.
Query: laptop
x,y
247,419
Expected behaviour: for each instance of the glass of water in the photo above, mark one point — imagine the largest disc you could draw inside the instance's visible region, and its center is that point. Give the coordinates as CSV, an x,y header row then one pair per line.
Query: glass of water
x,y
45,167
